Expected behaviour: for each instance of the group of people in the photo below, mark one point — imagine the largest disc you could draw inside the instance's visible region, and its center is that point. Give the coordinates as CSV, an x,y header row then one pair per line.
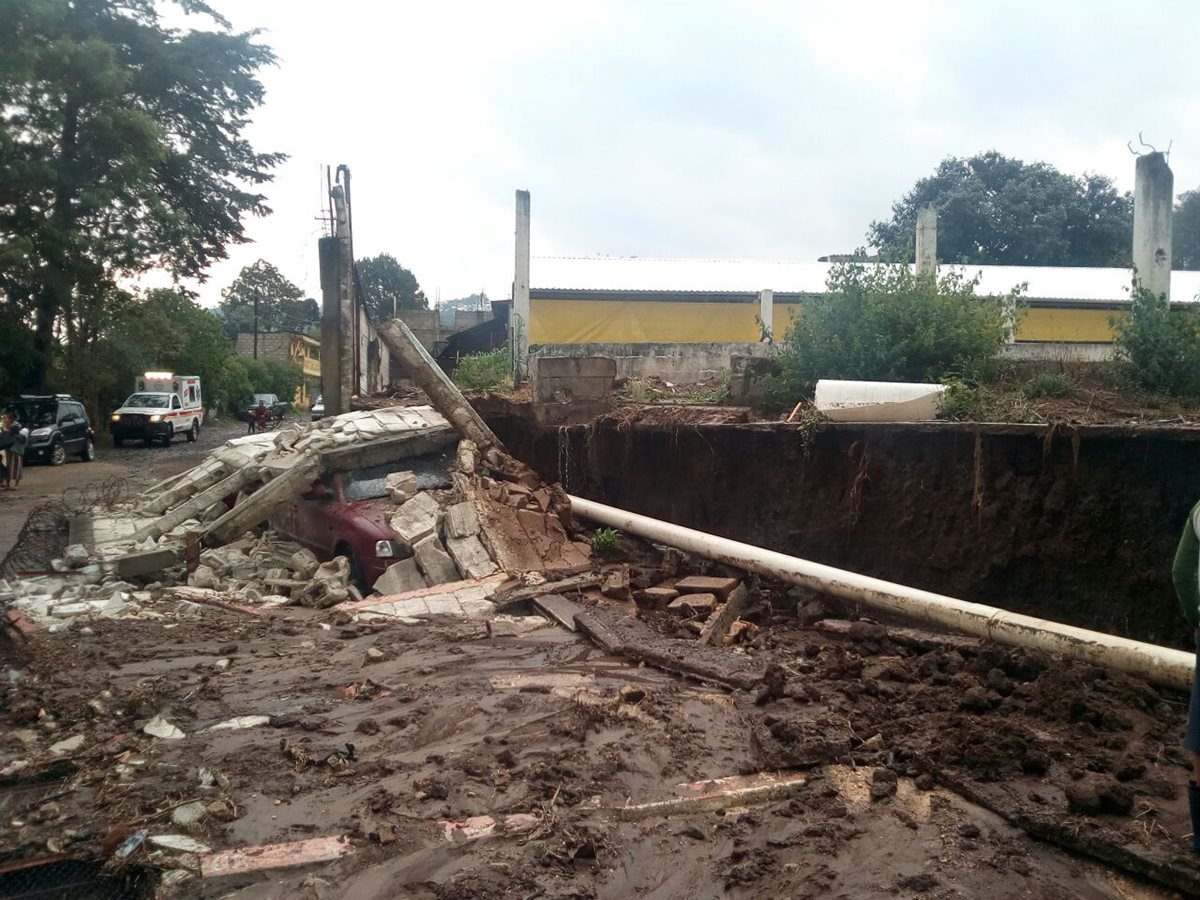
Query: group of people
x,y
14,438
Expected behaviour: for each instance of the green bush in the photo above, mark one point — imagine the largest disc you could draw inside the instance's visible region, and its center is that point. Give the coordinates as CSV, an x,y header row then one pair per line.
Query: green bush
x,y
1048,384
1158,348
485,371
885,323
604,540
242,376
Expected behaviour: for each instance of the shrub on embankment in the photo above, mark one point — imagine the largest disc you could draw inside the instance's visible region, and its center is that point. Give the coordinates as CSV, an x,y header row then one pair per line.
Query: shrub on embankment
x,y
1157,347
887,323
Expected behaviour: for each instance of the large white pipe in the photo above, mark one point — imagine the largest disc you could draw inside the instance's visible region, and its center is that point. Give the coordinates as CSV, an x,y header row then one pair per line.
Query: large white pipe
x,y
1158,665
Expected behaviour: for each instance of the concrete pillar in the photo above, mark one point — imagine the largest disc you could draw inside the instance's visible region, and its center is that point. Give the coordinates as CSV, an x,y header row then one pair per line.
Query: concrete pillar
x,y
1153,199
519,320
347,319
926,239
766,314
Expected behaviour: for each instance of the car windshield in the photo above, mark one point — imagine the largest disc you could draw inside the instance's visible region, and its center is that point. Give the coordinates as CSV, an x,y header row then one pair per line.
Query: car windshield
x,y
148,401
432,471
36,413
264,398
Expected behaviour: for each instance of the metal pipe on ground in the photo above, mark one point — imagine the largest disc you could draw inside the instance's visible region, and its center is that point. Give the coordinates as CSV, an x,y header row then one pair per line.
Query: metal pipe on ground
x,y
1158,665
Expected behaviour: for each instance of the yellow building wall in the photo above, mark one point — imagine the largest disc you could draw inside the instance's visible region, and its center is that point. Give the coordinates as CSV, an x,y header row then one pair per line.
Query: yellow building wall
x,y
640,322
666,322
1064,324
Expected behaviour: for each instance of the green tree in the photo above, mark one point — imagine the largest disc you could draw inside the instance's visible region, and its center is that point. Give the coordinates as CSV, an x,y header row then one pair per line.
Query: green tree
x,y
1157,347
121,150
242,376
282,306
885,323
388,287
1185,249
993,209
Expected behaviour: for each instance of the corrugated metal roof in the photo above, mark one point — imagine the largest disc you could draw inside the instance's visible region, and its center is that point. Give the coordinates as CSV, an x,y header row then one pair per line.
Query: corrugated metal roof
x,y
736,275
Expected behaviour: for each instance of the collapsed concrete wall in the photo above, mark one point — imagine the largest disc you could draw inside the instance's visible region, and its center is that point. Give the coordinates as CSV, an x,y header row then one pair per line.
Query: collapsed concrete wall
x,y
679,363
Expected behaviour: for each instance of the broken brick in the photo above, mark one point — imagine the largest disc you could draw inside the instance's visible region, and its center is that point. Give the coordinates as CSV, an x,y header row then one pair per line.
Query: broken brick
x,y
705,584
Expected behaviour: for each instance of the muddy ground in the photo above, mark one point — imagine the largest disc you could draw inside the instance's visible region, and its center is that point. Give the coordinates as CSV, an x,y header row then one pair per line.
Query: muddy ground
x,y
908,744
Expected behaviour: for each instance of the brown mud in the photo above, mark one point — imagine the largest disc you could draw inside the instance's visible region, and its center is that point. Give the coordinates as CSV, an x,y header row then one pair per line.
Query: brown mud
x,y
903,743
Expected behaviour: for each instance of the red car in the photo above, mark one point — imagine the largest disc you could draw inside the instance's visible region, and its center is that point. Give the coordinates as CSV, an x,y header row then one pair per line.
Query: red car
x,y
347,514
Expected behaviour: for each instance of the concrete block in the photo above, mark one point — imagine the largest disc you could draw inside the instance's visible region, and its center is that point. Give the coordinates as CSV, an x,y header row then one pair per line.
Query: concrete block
x,y
573,378
461,520
433,561
704,584
76,556
415,520
470,557
146,562
399,578
694,605
655,597
401,486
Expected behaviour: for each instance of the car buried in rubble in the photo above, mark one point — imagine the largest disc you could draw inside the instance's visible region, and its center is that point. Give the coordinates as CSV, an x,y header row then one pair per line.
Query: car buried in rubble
x,y
346,514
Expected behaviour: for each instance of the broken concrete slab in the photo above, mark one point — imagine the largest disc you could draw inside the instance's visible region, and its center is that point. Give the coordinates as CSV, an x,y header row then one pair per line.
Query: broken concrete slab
x,y
401,577
470,556
415,520
706,584
718,623
559,609
149,562
435,563
274,856
524,593
460,599
263,503
655,597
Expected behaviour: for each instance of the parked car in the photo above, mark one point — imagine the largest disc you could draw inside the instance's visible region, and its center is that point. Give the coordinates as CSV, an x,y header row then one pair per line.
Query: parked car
x,y
318,408
58,428
275,407
347,513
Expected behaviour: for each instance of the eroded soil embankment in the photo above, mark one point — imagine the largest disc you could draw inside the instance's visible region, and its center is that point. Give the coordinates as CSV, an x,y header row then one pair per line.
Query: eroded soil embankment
x,y
1076,525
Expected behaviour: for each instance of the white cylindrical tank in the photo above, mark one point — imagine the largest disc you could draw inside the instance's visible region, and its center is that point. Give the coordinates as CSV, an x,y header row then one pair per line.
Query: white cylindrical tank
x,y
878,401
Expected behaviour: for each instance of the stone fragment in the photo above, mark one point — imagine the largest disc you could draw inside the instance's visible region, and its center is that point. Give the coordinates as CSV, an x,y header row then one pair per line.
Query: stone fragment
x,y
76,556
374,654
70,745
401,486
204,577
470,557
655,597
400,578
690,605
467,457
616,584
434,562
704,584
188,813
461,520
145,562
304,562
159,727
415,520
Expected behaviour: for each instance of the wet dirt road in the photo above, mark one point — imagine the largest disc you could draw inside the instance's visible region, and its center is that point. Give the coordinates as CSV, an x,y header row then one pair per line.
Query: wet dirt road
x,y
141,465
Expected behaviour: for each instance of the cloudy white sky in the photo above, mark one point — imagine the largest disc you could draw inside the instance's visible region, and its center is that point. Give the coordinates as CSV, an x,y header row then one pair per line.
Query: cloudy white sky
x,y
704,128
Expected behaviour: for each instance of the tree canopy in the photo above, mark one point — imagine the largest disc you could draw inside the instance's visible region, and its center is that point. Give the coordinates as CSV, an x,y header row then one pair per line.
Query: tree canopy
x,y
993,209
1185,249
388,287
282,306
121,150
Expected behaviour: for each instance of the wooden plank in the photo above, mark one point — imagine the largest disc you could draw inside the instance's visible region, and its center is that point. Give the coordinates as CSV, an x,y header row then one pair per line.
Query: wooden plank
x,y
559,609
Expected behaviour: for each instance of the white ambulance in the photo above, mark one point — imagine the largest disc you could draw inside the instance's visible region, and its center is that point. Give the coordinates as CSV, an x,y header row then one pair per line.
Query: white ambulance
x,y
163,405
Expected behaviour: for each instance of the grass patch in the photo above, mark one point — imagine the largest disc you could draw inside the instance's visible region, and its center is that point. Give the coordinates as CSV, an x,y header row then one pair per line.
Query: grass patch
x,y
485,371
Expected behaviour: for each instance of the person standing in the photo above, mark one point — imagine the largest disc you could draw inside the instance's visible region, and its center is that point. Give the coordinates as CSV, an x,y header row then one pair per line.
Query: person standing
x,y
16,452
1186,575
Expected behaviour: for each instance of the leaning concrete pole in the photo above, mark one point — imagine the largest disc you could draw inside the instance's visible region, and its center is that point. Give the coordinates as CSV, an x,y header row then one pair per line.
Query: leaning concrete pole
x,y
445,397
926,240
1153,199
519,319
346,311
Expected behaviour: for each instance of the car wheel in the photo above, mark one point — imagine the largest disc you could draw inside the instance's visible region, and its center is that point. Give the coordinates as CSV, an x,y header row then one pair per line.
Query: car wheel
x,y
118,442
193,432
168,435
58,453
89,450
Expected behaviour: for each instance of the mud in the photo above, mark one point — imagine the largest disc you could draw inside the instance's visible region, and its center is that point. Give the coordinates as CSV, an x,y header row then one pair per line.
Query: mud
x,y
1077,525
907,745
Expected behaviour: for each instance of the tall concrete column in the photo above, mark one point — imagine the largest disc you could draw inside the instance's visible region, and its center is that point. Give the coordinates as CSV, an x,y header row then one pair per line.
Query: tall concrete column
x,y
926,240
346,318
519,318
1153,204
331,329
766,312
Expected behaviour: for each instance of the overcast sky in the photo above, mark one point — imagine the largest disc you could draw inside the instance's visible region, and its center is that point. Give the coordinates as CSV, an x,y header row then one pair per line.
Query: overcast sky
x,y
773,130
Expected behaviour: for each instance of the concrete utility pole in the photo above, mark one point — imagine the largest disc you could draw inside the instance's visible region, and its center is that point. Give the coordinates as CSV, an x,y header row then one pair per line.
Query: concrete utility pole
x,y
766,313
346,314
926,240
1153,205
519,320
